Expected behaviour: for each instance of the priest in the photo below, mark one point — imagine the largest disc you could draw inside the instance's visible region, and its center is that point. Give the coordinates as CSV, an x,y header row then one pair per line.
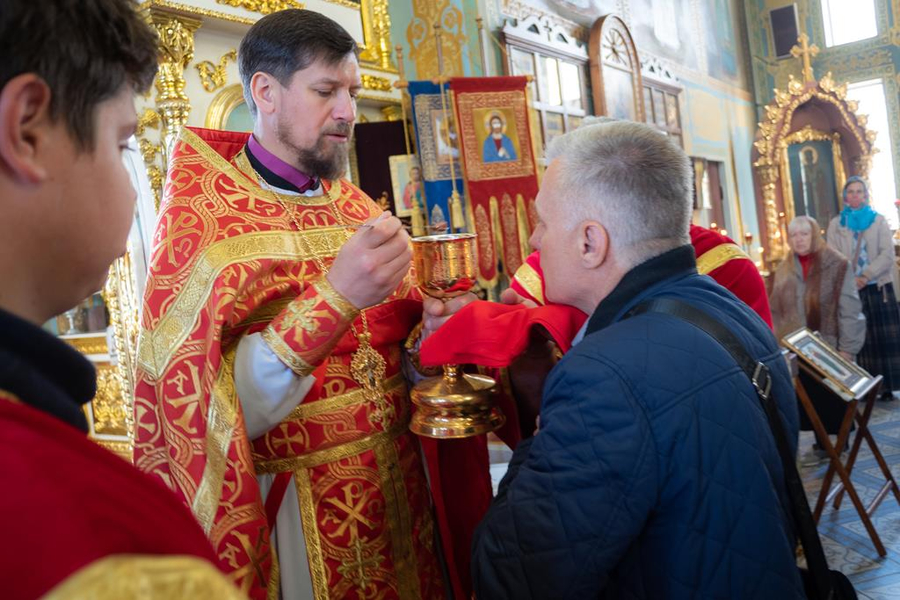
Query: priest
x,y
279,319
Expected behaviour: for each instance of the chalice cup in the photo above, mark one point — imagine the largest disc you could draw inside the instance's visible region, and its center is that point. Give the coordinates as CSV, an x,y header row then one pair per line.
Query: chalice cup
x,y
458,404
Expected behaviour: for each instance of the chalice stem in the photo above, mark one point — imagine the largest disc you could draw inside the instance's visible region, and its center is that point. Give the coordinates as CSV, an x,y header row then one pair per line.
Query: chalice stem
x,y
451,372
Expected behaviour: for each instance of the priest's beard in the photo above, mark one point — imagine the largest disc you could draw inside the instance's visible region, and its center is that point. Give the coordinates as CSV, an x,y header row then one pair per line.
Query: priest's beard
x,y
326,159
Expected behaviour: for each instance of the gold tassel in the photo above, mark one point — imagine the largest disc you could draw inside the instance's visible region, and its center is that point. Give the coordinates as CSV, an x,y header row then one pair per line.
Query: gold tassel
x,y
457,220
418,221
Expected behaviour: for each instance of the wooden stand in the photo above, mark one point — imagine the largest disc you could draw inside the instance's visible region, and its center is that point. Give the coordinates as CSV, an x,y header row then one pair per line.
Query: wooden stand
x,y
867,397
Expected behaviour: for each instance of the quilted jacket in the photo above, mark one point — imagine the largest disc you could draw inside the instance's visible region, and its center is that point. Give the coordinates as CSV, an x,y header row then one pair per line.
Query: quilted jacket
x,y
654,473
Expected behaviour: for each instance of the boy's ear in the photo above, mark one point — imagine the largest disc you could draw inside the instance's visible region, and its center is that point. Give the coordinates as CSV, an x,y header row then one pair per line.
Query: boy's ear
x,y
25,121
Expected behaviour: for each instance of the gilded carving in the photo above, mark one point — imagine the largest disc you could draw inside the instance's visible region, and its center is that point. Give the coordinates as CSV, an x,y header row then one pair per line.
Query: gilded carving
x,y
122,302
805,52
88,345
196,11
151,119
213,76
422,42
176,51
108,406
377,33
262,6
378,84
774,134
392,112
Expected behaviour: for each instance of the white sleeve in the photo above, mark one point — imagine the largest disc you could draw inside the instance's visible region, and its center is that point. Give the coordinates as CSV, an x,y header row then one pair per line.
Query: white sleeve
x,y
268,389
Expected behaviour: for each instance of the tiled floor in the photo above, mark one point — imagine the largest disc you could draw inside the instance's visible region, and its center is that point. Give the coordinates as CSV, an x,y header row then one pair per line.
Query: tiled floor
x,y
847,544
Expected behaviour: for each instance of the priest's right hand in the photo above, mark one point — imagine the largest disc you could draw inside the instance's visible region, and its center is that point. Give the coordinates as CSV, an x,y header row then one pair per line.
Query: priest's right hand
x,y
372,263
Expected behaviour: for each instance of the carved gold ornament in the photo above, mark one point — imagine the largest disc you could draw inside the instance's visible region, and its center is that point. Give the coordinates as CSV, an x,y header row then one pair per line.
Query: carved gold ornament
x,y
805,52
377,33
775,131
262,6
176,51
213,76
378,84
422,42
109,408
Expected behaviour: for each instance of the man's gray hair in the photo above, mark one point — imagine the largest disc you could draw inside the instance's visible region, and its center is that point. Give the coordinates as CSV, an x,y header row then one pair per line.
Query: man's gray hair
x,y
632,179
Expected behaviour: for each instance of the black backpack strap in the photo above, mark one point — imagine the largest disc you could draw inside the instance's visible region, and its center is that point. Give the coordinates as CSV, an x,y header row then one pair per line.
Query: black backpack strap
x,y
759,376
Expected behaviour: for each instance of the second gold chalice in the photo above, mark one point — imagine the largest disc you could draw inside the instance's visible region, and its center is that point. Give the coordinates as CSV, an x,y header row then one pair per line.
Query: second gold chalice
x,y
456,405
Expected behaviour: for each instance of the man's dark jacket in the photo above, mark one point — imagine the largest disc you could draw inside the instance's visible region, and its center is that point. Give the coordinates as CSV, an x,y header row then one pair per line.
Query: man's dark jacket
x,y
654,474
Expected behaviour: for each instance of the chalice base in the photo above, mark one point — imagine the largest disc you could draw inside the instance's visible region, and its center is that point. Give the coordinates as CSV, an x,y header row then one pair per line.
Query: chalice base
x,y
455,407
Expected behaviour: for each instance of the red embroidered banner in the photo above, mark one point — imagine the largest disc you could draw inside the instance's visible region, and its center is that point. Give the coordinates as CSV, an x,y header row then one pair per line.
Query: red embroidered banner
x,y
500,172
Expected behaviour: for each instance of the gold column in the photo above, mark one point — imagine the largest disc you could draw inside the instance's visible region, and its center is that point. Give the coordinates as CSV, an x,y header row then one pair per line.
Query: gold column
x,y
176,51
769,178
381,24
377,52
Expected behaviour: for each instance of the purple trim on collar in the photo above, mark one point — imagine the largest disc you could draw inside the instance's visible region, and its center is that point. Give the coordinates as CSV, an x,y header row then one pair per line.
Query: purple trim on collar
x,y
287,172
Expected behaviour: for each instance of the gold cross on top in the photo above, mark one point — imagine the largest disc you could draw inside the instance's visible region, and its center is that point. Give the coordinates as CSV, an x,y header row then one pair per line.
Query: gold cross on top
x,y
805,52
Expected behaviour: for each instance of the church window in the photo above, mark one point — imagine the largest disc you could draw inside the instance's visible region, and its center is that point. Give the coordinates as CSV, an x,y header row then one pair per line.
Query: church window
x,y
882,188
848,21
558,64
661,90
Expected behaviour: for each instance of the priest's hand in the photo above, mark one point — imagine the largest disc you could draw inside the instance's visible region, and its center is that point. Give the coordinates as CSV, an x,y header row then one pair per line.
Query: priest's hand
x,y
435,312
372,263
527,375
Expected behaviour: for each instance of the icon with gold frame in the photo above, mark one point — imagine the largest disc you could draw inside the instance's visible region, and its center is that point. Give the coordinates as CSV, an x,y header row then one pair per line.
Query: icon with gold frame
x,y
845,378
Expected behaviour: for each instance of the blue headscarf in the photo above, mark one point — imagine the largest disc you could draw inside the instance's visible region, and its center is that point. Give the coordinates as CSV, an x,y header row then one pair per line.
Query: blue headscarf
x,y
861,218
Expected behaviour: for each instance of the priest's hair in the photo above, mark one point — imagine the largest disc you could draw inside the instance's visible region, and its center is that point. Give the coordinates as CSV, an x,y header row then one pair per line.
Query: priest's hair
x,y
288,41
631,179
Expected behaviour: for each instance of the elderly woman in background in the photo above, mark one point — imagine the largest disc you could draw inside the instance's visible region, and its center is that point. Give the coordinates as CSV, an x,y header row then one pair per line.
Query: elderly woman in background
x,y
815,287
862,235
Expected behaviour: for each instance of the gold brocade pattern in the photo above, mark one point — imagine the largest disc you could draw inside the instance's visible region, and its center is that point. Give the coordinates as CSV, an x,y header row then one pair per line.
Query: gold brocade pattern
x,y
284,352
313,545
334,298
225,264
223,416
334,453
394,491
485,243
340,541
159,344
308,410
146,577
511,246
712,259
529,279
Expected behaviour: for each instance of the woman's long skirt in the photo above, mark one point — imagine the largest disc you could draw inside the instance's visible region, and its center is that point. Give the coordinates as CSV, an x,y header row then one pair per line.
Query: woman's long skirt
x,y
881,353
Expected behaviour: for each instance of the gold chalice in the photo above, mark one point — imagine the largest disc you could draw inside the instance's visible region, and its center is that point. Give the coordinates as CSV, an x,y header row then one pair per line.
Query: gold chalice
x,y
456,405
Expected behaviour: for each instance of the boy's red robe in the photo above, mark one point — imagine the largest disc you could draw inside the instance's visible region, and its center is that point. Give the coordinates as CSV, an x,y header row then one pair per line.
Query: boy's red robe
x,y
79,519
723,260
228,260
